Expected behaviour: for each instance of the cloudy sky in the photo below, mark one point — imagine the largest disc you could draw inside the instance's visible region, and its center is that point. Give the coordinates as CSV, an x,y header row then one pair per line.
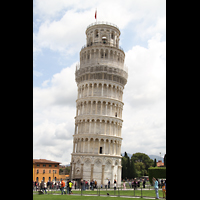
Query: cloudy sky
x,y
58,35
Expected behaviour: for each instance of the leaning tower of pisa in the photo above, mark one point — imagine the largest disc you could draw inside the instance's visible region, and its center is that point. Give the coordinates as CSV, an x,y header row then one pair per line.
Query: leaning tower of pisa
x,y
100,77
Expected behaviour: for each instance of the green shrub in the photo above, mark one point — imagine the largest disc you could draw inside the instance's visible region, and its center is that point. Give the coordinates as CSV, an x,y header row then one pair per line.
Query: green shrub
x,y
156,172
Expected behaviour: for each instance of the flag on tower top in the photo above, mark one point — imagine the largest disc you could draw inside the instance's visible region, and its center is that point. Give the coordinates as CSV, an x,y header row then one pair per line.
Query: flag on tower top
x,y
95,14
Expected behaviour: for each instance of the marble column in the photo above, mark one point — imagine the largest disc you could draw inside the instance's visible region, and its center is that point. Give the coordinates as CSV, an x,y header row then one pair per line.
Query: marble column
x,y
91,174
102,177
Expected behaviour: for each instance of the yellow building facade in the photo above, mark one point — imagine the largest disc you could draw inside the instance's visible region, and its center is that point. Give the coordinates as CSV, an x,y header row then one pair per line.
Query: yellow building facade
x,y
45,170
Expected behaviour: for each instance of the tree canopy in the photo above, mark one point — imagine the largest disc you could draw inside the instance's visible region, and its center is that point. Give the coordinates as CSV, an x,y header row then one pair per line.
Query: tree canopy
x,y
142,157
135,166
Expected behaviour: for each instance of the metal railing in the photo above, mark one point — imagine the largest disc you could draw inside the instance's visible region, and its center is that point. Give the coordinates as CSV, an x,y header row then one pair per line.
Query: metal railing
x,y
100,44
102,22
103,190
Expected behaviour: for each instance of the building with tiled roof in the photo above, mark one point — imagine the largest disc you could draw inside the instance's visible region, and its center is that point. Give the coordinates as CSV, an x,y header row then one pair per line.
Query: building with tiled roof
x,y
46,170
160,163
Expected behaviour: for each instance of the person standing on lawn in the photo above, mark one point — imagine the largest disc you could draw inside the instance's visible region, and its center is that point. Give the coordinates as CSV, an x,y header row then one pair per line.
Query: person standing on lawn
x,y
143,183
62,186
45,187
95,184
163,190
155,181
124,185
108,183
115,184
42,186
70,187
134,184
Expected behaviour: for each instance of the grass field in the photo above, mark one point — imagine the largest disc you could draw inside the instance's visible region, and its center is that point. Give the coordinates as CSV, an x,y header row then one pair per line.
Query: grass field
x,y
71,197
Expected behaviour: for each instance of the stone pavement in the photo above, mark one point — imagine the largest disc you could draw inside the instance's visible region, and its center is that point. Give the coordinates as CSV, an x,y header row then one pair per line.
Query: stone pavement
x,y
129,197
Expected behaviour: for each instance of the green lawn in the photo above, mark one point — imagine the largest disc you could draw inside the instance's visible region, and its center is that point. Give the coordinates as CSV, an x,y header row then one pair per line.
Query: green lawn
x,y
71,197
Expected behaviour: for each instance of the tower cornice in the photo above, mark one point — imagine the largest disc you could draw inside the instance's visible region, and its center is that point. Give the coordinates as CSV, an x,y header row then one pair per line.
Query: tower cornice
x,y
99,98
102,25
99,117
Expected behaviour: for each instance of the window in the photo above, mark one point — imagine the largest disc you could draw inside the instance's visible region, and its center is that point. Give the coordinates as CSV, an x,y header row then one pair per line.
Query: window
x,y
116,114
38,165
44,165
43,171
55,165
100,151
37,171
49,165
104,39
49,171
112,35
96,33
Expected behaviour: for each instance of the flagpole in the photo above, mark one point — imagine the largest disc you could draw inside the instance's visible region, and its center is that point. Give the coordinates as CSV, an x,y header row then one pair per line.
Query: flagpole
x,y
96,15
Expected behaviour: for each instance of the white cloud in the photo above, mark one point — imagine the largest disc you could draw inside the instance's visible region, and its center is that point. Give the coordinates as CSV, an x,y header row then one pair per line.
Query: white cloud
x,y
145,97
54,110
45,83
36,73
66,32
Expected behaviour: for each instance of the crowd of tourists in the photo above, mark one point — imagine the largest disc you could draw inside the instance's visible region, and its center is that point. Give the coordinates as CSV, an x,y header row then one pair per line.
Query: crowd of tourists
x,y
84,185
59,185
134,183
93,184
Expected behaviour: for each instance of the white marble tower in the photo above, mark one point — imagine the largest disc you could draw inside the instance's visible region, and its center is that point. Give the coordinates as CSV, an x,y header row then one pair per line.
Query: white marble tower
x,y
100,77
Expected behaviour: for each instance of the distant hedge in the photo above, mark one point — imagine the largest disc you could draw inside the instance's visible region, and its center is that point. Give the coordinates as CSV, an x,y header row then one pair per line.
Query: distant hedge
x,y
156,172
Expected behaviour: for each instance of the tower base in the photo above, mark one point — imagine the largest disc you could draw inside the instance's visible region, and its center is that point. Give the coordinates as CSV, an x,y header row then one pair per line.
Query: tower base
x,y
100,168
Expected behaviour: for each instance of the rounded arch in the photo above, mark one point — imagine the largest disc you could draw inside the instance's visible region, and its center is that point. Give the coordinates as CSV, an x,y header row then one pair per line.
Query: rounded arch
x,y
104,38
87,160
98,161
90,41
77,160
108,161
96,33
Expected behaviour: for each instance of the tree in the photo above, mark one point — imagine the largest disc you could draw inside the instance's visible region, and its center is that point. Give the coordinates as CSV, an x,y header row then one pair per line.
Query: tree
x,y
155,164
139,166
124,166
165,160
128,168
141,157
132,169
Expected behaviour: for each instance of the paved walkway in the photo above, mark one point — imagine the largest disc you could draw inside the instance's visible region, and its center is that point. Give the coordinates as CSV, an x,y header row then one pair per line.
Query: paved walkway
x,y
130,197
